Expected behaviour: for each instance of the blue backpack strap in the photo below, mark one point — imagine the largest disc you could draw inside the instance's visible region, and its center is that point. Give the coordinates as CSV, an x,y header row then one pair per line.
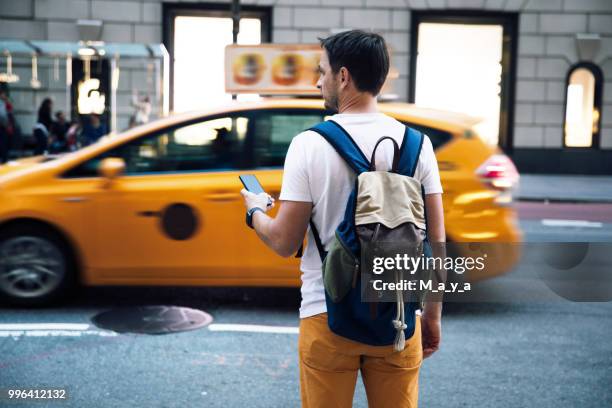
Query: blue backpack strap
x,y
346,147
410,151
344,144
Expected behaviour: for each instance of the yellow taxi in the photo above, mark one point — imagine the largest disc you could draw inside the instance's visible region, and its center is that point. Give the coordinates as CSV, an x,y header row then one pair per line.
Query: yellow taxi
x,y
160,204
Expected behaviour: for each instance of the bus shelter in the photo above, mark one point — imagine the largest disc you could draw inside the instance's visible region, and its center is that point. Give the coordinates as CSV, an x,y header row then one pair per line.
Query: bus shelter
x,y
85,78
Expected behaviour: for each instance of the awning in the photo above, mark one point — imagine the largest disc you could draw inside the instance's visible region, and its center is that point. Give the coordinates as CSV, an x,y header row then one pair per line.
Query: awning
x,y
123,50
56,48
62,48
158,50
16,47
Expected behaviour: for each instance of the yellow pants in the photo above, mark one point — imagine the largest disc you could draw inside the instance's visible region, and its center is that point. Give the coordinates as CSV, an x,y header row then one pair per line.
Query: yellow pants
x,y
329,365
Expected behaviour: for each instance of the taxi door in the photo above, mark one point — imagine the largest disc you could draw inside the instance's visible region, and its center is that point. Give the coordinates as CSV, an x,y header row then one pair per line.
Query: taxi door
x,y
176,215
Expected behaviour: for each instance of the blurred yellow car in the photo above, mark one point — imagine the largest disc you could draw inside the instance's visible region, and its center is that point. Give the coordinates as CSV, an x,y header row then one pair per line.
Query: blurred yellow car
x,y
160,204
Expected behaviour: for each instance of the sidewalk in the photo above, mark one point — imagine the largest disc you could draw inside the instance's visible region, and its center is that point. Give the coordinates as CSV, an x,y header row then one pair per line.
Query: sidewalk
x,y
564,188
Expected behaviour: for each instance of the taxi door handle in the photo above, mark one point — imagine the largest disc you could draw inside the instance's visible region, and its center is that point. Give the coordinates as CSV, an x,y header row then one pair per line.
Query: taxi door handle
x,y
446,166
74,199
222,196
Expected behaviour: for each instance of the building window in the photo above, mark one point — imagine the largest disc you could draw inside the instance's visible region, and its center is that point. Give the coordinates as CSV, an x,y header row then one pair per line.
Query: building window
x,y
583,106
196,36
464,62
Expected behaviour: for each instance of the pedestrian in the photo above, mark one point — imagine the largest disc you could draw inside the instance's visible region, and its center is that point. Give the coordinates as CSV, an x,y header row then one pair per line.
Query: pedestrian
x,y
93,130
5,125
316,186
10,131
59,129
142,109
42,128
72,136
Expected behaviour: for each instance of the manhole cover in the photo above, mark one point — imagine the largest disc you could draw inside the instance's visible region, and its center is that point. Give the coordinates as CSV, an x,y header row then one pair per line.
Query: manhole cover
x,y
152,319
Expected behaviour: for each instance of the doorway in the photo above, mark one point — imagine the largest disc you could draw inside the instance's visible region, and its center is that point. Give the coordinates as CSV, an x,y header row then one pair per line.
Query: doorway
x,y
466,62
196,36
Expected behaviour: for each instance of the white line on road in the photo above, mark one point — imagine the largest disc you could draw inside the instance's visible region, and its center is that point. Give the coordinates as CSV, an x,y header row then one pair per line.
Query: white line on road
x,y
256,328
44,326
77,329
571,223
56,333
50,330
253,328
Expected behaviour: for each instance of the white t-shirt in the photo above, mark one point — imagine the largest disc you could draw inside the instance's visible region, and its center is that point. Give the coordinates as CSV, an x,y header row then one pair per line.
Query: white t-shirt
x,y
314,172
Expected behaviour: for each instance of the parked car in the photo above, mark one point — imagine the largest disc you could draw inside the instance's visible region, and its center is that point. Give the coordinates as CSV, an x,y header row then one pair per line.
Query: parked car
x,y
160,205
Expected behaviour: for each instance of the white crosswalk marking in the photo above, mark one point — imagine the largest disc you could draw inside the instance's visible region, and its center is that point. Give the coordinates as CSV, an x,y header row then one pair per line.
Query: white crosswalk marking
x,y
571,223
51,330
253,328
44,326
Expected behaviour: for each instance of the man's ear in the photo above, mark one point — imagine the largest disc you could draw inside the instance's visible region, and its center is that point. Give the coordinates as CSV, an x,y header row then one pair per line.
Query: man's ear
x,y
345,77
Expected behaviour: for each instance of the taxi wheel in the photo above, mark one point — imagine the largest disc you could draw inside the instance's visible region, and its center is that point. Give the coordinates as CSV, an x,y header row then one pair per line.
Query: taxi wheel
x,y
36,266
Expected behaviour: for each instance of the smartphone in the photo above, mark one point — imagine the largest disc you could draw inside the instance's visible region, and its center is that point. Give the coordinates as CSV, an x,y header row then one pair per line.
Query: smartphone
x,y
250,182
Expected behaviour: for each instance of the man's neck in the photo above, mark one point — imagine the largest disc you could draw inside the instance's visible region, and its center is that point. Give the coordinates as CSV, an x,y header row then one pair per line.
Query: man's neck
x,y
361,103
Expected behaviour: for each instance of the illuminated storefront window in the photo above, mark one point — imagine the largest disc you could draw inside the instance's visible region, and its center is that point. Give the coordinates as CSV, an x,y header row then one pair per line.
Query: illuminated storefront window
x,y
199,64
583,106
197,35
464,62
459,69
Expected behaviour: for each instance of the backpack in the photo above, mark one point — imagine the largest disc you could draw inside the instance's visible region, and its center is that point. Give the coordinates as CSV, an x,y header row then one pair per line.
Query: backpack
x,y
384,206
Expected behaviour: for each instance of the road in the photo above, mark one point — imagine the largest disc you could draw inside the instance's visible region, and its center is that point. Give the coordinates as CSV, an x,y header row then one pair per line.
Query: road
x,y
580,222
519,354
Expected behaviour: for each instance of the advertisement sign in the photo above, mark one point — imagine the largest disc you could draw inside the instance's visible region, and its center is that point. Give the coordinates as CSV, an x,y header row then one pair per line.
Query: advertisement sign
x,y
272,68
280,69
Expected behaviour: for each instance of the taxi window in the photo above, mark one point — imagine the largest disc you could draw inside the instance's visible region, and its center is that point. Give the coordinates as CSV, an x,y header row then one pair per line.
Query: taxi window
x,y
274,130
214,144
437,137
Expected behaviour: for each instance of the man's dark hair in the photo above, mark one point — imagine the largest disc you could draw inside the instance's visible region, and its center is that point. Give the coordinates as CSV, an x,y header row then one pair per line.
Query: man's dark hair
x,y
363,54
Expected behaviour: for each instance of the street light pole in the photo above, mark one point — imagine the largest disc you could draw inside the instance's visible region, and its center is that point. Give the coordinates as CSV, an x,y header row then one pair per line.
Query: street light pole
x,y
236,25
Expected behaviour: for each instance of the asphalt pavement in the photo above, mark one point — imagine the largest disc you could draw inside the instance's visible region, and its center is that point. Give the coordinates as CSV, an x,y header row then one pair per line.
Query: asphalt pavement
x,y
511,354
565,188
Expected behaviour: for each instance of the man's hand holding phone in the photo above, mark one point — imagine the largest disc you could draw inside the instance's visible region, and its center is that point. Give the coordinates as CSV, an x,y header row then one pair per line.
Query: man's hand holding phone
x,y
255,198
262,200
254,194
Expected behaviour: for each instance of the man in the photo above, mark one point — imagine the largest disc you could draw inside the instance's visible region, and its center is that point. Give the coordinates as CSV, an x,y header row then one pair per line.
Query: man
x,y
142,109
7,124
317,183
58,130
93,130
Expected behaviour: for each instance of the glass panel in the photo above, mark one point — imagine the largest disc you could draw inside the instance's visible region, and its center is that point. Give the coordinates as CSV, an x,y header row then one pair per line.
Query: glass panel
x,y
274,132
581,117
199,62
459,69
437,137
216,144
